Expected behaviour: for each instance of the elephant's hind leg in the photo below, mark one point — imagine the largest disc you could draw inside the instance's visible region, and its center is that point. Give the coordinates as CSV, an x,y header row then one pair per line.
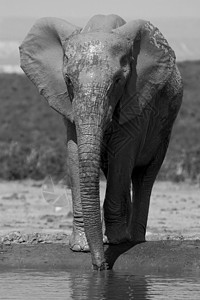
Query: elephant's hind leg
x,y
78,241
143,179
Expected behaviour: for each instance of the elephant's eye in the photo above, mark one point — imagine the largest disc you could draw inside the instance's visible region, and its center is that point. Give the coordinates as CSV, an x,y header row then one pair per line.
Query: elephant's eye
x,y
118,79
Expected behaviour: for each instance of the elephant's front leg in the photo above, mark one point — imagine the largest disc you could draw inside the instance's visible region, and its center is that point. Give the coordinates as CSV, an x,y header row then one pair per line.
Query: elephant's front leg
x,y
78,241
117,203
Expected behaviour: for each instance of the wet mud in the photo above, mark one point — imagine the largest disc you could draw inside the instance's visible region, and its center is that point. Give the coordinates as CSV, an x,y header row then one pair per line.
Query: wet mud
x,y
176,257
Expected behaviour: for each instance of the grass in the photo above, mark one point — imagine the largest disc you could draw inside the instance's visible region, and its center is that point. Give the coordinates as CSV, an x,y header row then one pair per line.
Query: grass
x,y
32,136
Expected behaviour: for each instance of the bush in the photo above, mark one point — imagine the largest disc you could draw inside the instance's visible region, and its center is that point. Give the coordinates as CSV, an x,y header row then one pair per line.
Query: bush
x,y
19,161
185,166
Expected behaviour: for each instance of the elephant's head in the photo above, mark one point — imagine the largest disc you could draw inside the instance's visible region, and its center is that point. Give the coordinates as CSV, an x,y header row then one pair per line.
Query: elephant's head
x,y
86,75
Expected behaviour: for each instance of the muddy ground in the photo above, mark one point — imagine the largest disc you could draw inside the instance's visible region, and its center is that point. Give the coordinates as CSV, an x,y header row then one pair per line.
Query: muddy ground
x,y
34,228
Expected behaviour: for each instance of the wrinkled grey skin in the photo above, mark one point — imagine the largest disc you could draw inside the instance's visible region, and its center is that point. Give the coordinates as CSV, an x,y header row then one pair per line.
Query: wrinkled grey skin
x,y
119,90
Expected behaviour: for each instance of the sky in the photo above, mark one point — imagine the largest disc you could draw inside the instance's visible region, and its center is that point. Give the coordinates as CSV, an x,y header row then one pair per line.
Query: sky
x,y
87,8
18,16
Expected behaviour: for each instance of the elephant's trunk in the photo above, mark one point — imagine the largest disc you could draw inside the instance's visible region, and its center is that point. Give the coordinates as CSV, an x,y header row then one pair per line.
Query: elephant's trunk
x,y
90,111
89,141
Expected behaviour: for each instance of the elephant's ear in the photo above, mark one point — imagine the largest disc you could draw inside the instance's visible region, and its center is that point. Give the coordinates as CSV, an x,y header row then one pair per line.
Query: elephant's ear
x,y
42,57
152,64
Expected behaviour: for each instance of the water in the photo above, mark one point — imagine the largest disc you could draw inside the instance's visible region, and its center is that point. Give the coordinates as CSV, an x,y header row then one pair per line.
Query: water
x,y
91,286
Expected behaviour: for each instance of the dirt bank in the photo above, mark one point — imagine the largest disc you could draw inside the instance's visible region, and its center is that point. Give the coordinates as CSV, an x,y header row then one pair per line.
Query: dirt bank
x,y
177,257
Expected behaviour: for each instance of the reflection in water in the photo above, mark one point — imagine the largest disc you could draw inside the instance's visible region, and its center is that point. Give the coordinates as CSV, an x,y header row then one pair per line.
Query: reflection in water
x,y
108,285
91,285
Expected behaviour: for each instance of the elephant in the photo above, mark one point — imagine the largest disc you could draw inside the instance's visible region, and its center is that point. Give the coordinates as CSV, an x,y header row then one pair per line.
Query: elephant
x,y
119,90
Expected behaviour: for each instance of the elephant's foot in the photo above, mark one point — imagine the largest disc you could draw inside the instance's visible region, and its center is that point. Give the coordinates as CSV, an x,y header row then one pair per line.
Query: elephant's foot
x,y
116,234
78,241
120,233
137,232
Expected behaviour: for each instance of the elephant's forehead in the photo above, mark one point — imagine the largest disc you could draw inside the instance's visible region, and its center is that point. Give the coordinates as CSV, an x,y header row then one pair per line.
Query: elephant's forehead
x,y
98,43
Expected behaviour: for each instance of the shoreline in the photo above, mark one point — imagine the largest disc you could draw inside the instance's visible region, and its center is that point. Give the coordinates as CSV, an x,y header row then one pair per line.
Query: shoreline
x,y
173,257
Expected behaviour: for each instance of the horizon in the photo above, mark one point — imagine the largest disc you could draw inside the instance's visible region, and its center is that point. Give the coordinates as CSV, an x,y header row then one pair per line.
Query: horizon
x,y
16,27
